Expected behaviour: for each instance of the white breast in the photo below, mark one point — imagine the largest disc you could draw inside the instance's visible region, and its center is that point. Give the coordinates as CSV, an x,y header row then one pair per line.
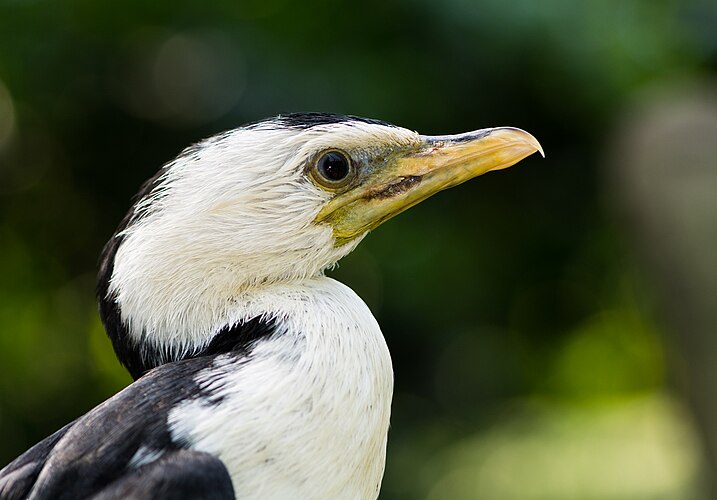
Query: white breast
x,y
307,415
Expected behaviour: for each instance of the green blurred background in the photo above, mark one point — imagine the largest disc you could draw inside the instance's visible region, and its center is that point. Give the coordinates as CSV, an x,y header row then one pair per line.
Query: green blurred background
x,y
552,326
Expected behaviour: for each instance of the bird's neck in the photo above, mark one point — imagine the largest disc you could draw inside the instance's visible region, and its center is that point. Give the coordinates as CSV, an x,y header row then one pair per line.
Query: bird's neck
x,y
213,324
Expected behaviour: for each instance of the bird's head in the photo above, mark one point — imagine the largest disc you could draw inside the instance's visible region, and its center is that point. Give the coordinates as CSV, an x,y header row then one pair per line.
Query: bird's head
x,y
276,201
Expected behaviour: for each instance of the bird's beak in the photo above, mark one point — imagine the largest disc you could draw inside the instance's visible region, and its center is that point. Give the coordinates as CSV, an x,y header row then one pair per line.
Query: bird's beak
x,y
408,177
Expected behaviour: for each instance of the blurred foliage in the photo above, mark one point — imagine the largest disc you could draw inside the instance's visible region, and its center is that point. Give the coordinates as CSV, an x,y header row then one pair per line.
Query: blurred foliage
x,y
530,360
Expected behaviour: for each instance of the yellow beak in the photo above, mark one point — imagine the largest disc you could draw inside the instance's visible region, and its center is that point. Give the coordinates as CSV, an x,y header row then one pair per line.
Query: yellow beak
x,y
412,176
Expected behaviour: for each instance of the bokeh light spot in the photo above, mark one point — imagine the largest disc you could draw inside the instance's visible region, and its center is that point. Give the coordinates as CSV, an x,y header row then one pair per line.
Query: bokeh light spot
x,y
181,79
7,116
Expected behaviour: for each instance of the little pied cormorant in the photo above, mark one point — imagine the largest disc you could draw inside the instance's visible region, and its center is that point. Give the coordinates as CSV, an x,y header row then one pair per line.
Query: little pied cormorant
x,y
255,375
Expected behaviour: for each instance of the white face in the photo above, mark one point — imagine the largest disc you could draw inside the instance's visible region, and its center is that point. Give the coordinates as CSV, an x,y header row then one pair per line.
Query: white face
x,y
234,212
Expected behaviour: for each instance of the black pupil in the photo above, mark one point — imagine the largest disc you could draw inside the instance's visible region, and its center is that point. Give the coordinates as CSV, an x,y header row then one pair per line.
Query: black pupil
x,y
334,166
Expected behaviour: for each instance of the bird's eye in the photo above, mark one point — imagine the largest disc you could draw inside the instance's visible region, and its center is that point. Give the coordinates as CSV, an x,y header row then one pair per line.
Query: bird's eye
x,y
333,169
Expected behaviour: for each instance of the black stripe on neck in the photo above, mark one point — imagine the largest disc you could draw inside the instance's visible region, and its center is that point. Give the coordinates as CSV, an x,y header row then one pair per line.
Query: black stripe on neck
x,y
237,339
241,337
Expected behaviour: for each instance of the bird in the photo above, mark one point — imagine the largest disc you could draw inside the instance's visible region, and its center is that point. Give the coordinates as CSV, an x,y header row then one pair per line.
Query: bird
x,y
255,375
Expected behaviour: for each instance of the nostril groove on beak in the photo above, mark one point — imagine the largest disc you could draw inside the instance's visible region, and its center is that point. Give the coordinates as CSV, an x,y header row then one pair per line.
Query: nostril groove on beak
x,y
396,188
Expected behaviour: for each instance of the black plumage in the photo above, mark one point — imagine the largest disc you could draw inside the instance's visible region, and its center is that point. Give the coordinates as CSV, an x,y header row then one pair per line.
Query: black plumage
x,y
92,456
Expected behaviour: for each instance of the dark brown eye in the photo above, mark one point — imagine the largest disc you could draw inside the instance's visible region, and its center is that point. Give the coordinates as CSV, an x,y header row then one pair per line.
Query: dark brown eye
x,y
333,169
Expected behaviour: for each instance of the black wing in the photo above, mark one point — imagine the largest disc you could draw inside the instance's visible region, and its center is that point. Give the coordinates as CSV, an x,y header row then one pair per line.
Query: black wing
x,y
17,478
181,474
100,453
